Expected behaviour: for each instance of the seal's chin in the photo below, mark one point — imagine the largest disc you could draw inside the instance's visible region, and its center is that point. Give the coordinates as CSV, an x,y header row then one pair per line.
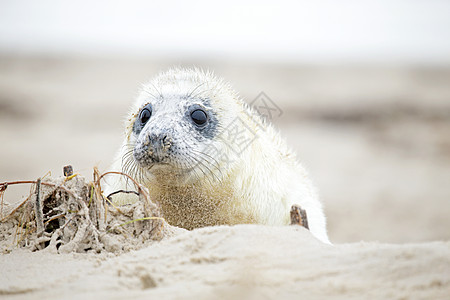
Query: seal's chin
x,y
167,172
150,166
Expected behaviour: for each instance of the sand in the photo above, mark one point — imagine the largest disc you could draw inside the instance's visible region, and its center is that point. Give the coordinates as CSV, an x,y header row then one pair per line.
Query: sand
x,y
245,261
374,138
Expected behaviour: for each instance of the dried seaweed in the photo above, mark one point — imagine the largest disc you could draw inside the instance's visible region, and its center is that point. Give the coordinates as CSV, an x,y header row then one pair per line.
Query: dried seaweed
x,y
69,214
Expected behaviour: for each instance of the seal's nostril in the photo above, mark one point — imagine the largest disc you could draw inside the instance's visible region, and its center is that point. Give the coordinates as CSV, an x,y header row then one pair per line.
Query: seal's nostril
x,y
166,142
158,141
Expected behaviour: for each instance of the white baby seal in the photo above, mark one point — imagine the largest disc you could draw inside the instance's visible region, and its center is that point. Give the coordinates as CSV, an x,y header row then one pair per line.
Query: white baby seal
x,y
207,158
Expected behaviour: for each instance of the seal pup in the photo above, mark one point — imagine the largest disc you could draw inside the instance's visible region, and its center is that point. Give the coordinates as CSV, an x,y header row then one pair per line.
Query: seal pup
x,y
208,158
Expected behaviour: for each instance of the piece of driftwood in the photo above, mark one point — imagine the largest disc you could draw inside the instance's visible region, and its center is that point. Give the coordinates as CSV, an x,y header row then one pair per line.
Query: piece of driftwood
x,y
298,216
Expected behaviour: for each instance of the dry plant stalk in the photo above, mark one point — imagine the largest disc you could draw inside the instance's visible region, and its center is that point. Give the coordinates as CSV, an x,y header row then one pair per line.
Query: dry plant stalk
x,y
38,209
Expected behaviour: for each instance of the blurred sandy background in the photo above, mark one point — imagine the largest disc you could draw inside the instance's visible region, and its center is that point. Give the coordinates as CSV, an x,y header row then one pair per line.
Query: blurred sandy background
x,y
364,89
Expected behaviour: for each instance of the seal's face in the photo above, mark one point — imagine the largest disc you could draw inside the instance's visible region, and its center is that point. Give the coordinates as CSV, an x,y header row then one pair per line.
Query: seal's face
x,y
174,129
170,130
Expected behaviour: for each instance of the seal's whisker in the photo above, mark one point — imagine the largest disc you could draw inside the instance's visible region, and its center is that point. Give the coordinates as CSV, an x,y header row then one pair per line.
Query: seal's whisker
x,y
211,162
187,166
196,174
198,86
190,168
201,163
127,162
156,90
128,146
208,90
127,157
202,92
128,166
205,164
208,158
148,92
201,169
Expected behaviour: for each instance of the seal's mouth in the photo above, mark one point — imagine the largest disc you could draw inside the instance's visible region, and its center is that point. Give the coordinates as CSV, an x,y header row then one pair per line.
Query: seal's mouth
x,y
147,156
155,162
151,162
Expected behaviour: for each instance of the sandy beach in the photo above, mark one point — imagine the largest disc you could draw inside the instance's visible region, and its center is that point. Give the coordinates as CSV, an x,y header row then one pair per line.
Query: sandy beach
x,y
244,261
375,139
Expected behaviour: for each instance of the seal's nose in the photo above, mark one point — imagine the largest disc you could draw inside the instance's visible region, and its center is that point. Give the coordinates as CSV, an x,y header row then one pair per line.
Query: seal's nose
x,y
160,142
154,147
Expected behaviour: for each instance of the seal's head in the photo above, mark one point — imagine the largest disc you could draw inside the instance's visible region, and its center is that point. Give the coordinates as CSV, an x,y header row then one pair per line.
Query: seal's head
x,y
175,125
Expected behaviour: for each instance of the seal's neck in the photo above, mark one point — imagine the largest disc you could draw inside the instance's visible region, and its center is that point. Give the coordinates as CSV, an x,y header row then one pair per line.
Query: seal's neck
x,y
192,206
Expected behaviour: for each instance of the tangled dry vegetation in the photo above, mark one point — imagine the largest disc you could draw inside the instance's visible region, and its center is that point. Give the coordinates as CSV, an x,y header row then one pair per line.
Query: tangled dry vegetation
x,y
69,214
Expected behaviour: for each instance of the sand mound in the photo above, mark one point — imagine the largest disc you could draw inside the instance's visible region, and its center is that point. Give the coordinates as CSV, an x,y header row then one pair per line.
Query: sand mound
x,y
239,262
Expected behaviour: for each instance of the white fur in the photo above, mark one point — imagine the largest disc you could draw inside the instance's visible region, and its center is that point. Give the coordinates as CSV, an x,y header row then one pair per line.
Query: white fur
x,y
265,178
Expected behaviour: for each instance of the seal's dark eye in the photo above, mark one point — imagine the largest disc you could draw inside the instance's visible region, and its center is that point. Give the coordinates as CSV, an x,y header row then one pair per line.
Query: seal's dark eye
x,y
145,114
199,117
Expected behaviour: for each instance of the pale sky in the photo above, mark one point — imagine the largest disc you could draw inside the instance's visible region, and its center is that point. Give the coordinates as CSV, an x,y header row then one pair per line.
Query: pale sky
x,y
403,31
